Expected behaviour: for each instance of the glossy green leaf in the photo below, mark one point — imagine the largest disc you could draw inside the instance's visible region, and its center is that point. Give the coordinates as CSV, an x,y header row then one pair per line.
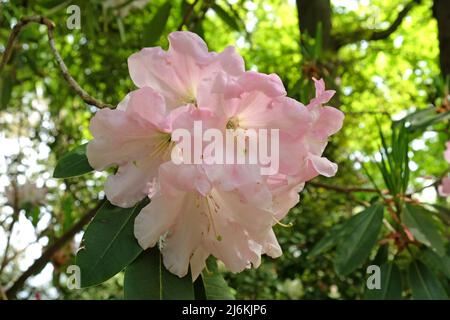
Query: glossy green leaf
x,y
390,284
147,279
211,285
72,164
424,284
328,241
226,17
108,244
359,239
436,262
420,223
156,26
382,255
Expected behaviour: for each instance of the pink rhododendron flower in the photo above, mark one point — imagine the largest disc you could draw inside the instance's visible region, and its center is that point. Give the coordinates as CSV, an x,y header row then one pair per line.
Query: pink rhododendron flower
x,y
200,209
447,152
444,188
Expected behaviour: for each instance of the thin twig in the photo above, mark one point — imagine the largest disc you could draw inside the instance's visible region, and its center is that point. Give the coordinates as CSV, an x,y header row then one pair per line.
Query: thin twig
x,y
40,263
62,66
342,189
187,15
15,217
346,38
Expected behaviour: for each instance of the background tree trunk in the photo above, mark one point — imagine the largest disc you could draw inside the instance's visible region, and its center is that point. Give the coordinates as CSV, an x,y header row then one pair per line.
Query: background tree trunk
x,y
310,14
441,11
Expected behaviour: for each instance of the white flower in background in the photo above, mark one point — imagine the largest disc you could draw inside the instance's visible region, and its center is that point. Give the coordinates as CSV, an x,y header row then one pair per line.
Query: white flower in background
x,y
24,194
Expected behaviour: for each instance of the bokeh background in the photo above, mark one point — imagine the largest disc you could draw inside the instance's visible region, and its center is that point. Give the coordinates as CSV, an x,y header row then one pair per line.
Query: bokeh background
x,y
385,58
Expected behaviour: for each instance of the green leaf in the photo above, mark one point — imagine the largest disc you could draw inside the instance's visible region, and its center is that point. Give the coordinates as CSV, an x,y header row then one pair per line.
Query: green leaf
x,y
227,18
423,118
382,255
318,41
420,223
147,279
390,284
360,237
424,284
211,285
437,263
328,241
108,244
72,164
156,26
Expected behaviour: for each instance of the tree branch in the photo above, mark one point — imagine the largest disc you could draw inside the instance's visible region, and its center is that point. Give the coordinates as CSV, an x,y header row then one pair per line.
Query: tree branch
x,y
24,21
41,262
342,39
15,217
187,15
341,189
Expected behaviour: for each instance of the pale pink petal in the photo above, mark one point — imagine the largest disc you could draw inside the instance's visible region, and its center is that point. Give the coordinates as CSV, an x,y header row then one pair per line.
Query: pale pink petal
x,y
328,122
153,67
156,218
183,177
444,188
231,62
198,261
447,152
235,249
131,183
271,246
285,192
255,220
184,237
245,179
323,166
188,43
119,137
149,105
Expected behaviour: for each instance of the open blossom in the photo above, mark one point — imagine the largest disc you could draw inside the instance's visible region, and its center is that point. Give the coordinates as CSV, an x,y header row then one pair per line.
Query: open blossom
x,y
208,208
444,188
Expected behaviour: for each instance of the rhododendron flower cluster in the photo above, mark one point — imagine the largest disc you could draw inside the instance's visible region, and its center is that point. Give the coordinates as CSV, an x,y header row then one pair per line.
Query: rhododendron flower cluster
x,y
444,188
198,210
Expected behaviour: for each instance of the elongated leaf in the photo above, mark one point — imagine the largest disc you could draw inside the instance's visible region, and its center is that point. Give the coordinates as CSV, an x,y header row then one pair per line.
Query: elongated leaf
x,y
211,285
424,284
390,284
382,255
147,279
423,118
328,241
420,222
156,26
72,164
437,263
359,239
226,17
108,245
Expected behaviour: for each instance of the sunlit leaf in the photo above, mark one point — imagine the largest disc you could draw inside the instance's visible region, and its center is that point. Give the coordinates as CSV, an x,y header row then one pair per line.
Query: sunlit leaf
x,y
156,26
423,228
72,164
359,239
